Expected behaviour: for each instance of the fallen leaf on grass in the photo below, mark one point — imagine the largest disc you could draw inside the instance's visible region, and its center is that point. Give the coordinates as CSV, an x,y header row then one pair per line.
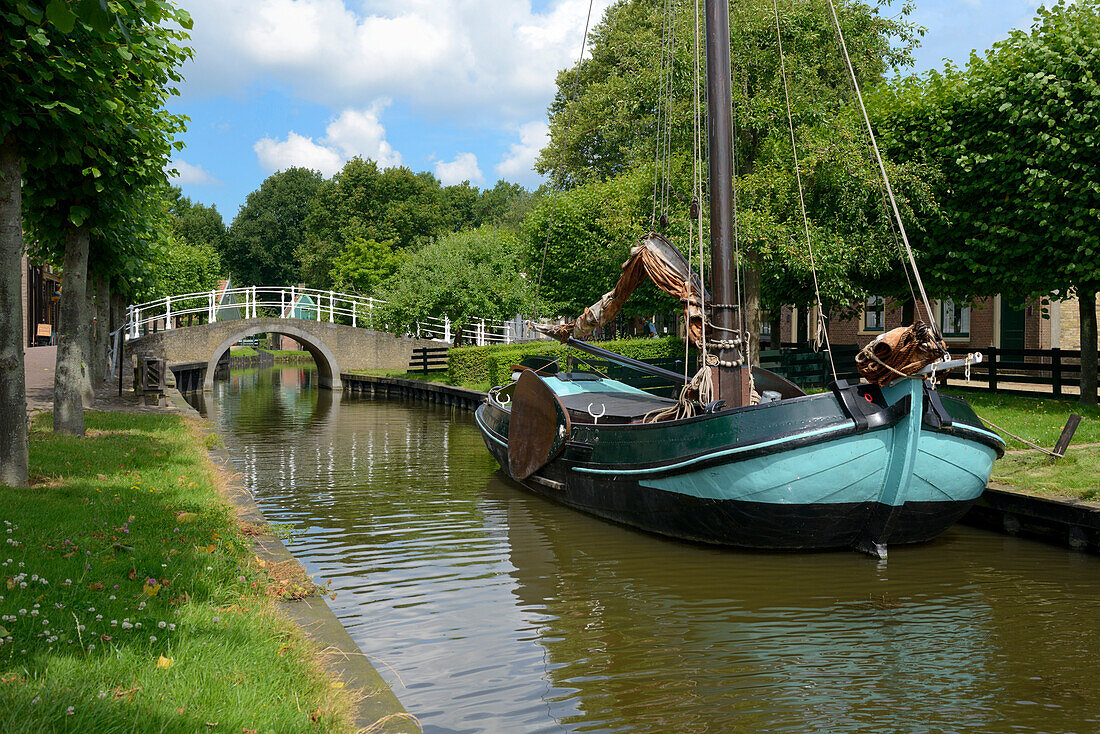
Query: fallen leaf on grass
x,y
132,575
105,638
97,586
151,589
101,477
205,548
165,663
186,516
123,694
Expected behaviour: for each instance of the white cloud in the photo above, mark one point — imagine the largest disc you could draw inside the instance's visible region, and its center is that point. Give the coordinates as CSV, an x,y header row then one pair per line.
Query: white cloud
x,y
463,168
352,133
482,59
518,163
189,174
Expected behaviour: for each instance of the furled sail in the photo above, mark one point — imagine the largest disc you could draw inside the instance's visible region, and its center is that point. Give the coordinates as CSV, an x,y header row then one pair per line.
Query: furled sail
x,y
669,270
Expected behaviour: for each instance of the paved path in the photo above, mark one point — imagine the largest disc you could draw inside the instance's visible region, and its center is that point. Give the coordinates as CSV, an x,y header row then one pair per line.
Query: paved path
x,y
40,362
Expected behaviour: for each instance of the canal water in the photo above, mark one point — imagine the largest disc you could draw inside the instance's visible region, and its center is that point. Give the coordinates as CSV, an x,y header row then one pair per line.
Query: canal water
x,y
490,610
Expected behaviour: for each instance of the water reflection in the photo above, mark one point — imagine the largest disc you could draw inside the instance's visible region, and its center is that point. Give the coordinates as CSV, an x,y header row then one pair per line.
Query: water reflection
x,y
504,612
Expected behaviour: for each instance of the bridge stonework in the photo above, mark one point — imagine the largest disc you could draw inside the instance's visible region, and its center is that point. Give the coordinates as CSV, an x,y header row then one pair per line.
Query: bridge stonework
x,y
334,347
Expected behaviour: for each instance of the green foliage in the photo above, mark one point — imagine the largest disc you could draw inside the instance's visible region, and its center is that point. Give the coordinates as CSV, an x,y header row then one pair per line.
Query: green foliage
x,y
592,228
180,267
365,266
85,87
195,222
259,249
609,131
492,364
1014,135
462,275
394,205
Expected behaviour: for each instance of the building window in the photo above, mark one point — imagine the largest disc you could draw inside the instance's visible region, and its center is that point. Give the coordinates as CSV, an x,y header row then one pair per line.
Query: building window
x,y
874,314
954,319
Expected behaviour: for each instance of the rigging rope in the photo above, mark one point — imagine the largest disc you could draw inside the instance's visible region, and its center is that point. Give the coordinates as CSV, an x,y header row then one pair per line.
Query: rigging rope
x,y
798,179
882,170
554,190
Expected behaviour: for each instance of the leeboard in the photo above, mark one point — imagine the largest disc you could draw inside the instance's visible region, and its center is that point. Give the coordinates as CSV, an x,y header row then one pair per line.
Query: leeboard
x,y
538,427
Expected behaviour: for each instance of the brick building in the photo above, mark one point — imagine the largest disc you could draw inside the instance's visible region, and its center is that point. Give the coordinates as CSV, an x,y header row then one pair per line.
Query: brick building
x,y
41,299
966,327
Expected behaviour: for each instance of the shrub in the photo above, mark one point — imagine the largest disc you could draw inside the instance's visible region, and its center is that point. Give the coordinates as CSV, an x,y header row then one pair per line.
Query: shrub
x,y
492,364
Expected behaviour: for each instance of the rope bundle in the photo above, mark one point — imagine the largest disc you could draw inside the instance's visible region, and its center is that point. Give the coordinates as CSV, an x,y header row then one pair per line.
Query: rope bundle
x,y
899,353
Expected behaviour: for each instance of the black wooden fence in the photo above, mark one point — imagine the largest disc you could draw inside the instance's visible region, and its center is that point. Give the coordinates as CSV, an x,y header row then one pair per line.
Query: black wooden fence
x,y
1053,368
428,359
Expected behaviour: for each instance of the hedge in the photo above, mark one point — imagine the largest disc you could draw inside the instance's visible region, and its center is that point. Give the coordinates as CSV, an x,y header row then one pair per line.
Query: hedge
x,y
492,364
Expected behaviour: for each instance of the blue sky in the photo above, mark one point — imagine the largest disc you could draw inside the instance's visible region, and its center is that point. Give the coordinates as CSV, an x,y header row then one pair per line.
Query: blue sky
x,y
457,87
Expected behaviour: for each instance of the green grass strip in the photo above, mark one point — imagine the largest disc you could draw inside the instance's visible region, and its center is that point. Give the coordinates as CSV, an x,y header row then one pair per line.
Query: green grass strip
x,y
131,602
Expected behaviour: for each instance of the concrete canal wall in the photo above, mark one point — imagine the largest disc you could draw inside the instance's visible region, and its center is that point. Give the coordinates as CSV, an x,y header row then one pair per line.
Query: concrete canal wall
x,y
1066,522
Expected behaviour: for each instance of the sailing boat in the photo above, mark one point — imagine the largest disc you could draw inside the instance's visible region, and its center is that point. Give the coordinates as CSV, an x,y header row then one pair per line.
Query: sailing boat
x,y
744,458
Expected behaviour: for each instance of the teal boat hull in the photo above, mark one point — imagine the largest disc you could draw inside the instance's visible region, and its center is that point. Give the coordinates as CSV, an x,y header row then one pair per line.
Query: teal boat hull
x,y
815,472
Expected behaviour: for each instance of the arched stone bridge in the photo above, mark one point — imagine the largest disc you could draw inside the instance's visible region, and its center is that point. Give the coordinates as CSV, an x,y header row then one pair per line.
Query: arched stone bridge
x,y
334,347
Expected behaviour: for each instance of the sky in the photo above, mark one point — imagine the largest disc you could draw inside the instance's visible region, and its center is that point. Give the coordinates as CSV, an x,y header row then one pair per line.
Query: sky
x,y
456,87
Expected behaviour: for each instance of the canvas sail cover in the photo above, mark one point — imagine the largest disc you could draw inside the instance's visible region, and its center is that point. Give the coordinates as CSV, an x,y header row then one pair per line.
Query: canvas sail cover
x,y
656,258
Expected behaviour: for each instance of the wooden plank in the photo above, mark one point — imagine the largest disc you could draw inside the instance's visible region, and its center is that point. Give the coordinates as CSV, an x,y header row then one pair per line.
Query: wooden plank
x,y
1067,434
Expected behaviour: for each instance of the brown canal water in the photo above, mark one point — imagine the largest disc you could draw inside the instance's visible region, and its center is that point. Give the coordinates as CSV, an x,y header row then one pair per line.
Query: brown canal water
x,y
491,610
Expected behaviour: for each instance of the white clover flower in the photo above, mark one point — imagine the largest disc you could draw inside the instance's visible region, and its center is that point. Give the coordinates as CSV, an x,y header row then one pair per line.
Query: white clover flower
x,y
36,699
152,638
162,624
171,628
70,711
127,625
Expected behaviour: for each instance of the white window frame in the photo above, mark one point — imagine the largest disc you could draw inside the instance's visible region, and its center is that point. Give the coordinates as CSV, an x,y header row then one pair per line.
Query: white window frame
x,y
863,327
964,318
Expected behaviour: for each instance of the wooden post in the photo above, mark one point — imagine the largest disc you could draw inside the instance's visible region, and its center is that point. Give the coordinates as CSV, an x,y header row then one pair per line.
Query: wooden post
x,y
992,368
1056,371
1067,435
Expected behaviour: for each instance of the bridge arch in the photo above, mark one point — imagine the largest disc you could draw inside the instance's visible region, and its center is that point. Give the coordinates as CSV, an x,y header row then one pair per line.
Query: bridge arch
x,y
328,371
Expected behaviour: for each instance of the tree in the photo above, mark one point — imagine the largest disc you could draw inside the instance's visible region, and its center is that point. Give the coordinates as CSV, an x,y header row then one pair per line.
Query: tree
x,y
260,247
195,222
610,127
1013,136
585,234
180,267
84,110
366,266
463,275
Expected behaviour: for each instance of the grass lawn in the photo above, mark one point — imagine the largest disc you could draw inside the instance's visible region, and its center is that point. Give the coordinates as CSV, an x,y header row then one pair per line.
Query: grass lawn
x,y
130,602
1041,420
242,352
1076,475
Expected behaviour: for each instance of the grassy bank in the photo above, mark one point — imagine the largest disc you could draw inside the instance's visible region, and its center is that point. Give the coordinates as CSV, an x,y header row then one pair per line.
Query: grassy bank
x,y
130,601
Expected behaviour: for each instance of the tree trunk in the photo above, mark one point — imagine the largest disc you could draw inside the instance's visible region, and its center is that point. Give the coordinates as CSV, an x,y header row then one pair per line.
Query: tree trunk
x,y
752,312
13,382
1086,302
87,346
102,328
68,405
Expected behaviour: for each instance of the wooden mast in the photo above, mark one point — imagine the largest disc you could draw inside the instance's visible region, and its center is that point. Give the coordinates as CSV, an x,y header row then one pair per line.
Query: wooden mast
x,y
732,378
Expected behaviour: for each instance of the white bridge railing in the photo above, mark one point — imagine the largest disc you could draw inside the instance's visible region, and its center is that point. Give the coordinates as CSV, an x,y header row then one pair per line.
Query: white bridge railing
x,y
306,304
